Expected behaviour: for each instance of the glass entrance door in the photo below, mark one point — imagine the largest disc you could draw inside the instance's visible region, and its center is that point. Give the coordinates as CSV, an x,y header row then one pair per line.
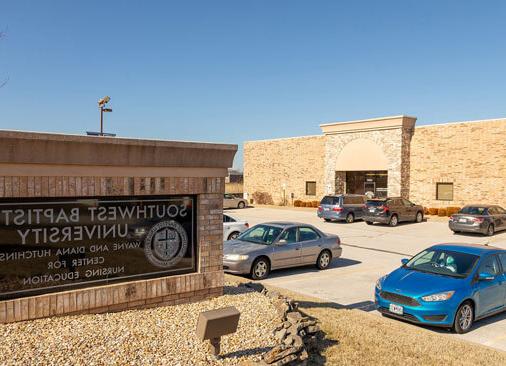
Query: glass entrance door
x,y
366,182
370,189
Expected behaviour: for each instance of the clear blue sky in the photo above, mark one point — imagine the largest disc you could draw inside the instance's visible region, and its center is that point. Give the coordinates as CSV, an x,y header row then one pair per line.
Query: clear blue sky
x,y
230,71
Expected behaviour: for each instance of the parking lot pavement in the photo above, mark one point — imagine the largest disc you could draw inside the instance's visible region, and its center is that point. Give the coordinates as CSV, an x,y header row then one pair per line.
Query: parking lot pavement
x,y
368,253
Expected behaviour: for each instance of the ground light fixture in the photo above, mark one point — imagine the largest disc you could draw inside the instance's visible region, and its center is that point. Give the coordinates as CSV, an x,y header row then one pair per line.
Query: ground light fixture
x,y
214,324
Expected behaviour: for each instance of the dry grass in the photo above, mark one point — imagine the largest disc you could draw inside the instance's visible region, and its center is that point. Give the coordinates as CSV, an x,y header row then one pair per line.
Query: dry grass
x,y
366,339
359,338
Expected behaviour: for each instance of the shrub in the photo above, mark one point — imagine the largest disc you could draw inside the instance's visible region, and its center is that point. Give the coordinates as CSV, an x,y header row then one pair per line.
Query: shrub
x,y
316,204
425,211
452,210
262,198
442,212
433,211
297,203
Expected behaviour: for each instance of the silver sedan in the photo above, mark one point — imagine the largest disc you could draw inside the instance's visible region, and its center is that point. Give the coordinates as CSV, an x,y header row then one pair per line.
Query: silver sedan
x,y
230,201
275,245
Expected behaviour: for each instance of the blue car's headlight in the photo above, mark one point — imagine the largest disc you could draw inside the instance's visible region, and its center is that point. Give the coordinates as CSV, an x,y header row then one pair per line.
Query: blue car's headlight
x,y
442,296
379,282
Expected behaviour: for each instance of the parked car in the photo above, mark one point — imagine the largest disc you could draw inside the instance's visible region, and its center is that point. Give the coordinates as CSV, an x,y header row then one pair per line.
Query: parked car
x,y
230,201
345,207
447,285
484,219
233,227
391,211
275,245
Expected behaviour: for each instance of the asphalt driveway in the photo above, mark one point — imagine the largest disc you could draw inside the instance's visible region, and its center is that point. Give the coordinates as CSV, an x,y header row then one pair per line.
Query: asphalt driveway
x,y
368,253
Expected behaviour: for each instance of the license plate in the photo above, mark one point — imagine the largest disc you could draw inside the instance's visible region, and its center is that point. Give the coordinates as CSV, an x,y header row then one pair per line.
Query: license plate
x,y
371,210
396,309
462,220
326,209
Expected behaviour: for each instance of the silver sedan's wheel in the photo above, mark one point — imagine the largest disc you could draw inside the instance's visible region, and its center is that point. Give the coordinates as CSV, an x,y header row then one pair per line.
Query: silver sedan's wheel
x,y
350,218
241,204
324,260
233,236
464,318
419,217
260,269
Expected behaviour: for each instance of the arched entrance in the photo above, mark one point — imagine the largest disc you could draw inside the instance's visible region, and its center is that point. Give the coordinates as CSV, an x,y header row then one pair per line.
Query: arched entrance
x,y
362,168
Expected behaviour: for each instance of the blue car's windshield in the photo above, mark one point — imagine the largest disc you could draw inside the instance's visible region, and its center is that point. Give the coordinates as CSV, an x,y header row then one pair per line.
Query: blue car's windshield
x,y
261,234
443,262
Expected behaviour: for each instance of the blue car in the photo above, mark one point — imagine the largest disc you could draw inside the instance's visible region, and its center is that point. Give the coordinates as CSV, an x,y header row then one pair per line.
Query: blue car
x,y
447,285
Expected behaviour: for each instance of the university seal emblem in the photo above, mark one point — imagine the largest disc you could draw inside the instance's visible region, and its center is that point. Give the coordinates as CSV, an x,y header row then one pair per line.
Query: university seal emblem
x,y
166,244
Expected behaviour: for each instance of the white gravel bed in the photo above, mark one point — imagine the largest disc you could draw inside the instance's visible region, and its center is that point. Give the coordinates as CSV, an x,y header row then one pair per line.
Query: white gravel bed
x,y
157,336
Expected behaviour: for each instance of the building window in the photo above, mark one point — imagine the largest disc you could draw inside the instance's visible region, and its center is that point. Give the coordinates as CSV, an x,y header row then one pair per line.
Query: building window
x,y
310,188
444,191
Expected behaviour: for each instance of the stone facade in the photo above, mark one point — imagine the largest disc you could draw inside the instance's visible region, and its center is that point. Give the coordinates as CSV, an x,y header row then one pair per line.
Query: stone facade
x,y
471,155
62,180
391,141
283,166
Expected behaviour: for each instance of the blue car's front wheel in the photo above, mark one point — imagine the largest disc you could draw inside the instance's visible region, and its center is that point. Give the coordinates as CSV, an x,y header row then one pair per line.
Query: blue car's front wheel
x,y
464,318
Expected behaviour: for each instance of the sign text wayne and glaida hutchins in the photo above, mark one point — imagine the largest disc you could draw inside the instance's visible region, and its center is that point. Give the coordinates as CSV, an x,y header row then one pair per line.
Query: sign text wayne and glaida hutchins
x,y
47,245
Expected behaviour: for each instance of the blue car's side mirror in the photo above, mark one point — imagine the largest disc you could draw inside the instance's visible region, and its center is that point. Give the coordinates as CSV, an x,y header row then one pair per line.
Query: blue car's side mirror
x,y
485,277
404,261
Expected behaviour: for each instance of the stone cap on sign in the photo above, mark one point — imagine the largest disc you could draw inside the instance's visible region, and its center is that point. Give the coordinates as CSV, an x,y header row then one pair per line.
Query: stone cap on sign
x,y
62,149
381,123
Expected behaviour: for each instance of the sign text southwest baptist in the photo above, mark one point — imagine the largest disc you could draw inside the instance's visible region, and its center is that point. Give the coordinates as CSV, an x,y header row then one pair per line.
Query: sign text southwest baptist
x,y
49,246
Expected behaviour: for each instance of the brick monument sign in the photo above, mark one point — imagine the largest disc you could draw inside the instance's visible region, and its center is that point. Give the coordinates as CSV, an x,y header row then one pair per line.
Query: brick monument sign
x,y
97,224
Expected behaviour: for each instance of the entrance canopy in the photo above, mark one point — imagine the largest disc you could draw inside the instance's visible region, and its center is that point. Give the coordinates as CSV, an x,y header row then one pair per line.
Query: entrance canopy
x,y
361,155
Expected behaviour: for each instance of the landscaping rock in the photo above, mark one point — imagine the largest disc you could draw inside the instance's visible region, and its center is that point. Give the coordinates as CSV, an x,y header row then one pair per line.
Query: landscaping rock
x,y
281,334
163,335
279,352
297,341
286,360
293,316
288,340
312,329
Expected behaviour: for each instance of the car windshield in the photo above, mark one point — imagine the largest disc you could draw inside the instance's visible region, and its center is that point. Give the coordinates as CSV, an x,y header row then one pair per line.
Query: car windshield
x,y
261,234
330,200
471,210
443,262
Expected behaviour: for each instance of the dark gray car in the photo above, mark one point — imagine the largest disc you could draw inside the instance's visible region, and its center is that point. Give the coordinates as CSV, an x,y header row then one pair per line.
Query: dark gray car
x,y
345,207
484,219
276,245
391,211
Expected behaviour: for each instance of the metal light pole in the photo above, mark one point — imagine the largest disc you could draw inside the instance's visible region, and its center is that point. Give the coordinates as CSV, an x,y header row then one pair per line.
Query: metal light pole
x,y
101,121
101,105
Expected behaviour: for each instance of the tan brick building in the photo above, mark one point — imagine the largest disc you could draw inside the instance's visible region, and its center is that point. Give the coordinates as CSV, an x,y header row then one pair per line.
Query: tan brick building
x,y
436,165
